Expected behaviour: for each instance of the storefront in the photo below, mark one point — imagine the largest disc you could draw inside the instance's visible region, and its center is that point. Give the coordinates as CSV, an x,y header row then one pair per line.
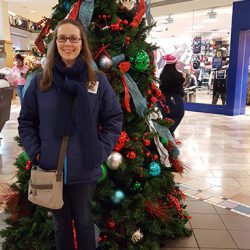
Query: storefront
x,y
215,52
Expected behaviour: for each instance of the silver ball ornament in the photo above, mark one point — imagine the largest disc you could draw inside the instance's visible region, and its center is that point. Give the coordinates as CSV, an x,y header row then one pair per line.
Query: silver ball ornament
x,y
105,63
114,160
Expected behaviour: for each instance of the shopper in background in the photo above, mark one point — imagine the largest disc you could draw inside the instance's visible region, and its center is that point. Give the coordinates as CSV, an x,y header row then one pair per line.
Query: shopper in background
x,y
20,69
171,85
190,85
70,98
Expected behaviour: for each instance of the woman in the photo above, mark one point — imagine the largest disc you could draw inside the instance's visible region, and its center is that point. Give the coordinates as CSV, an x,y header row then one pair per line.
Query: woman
x,y
45,117
171,85
20,69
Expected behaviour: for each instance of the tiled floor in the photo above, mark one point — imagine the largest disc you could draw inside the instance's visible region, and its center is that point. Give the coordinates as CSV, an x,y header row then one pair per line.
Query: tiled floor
x,y
215,149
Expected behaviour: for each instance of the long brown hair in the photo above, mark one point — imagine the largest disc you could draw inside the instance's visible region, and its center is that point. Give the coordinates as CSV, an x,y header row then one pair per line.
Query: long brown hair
x,y
46,79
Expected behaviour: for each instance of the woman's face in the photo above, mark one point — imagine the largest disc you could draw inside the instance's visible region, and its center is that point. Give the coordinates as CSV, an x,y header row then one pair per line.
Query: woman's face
x,y
19,62
68,49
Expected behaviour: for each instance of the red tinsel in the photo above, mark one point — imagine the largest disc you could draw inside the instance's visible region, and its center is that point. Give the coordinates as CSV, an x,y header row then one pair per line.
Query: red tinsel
x,y
156,209
177,165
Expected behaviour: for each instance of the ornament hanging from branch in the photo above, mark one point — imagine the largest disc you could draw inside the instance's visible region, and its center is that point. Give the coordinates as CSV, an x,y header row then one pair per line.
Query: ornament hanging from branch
x,y
127,9
137,236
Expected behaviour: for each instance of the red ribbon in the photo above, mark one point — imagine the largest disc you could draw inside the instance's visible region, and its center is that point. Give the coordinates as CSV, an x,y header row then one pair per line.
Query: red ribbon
x,y
126,100
103,50
141,11
124,68
74,12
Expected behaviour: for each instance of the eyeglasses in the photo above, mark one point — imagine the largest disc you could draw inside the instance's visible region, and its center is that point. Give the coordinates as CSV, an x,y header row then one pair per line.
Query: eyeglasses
x,y
72,39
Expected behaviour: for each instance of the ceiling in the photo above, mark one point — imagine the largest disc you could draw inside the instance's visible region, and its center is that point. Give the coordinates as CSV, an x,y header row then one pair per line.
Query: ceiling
x,y
188,15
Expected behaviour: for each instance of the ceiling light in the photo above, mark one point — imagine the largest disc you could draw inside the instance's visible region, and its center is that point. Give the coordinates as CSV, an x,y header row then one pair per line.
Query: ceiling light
x,y
212,14
169,19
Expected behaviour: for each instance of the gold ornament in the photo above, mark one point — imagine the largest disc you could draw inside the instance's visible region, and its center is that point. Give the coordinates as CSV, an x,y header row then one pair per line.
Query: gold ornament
x,y
137,236
128,4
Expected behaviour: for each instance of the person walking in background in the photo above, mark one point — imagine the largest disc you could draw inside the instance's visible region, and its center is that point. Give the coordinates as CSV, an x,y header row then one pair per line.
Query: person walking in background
x,y
20,69
171,85
70,98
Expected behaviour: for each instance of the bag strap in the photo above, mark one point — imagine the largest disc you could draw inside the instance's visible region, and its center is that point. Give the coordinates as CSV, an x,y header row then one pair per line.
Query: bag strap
x,y
63,149
61,157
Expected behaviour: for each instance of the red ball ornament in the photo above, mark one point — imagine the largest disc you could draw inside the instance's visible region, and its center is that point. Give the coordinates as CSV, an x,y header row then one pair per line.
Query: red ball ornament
x,y
155,157
146,142
111,224
136,138
127,40
131,155
157,92
125,22
149,92
27,167
153,86
153,99
148,154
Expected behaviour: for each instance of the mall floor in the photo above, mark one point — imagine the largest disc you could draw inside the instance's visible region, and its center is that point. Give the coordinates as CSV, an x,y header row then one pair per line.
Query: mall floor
x,y
216,152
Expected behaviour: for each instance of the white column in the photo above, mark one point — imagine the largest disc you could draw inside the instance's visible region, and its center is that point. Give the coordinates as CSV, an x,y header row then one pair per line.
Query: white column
x,y
4,21
6,55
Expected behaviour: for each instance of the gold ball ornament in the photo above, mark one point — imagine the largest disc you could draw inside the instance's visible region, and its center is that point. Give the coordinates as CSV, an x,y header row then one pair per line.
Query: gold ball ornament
x,y
137,236
114,160
128,4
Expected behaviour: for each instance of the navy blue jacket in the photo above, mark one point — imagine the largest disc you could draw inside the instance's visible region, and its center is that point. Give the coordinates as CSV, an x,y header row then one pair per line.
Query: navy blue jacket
x,y
37,123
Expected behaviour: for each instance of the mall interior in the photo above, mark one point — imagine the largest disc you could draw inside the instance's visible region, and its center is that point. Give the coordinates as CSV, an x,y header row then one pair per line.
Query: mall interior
x,y
211,40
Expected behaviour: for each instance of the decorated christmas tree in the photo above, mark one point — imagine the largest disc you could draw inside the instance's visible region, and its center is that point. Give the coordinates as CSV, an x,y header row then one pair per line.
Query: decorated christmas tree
x,y
137,204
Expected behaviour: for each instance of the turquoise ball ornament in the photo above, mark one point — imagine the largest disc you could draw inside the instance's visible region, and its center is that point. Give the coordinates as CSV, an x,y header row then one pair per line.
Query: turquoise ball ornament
x,y
104,174
118,196
154,169
141,60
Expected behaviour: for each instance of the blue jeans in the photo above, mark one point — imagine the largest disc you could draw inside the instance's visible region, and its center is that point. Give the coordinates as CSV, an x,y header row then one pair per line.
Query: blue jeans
x,y
19,89
77,207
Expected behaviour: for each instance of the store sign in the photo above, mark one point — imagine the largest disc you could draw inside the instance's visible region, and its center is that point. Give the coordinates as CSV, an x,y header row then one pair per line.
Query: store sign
x,y
217,63
2,46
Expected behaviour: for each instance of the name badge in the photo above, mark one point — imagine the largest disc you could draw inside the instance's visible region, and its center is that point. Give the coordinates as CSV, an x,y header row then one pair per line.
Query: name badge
x,y
94,89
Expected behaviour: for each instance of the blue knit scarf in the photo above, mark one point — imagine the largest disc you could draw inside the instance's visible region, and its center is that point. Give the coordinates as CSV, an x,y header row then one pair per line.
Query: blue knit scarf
x,y
71,84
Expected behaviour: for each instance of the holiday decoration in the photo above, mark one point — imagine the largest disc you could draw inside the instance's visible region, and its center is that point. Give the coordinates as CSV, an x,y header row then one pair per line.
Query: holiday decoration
x,y
85,13
154,169
114,160
141,60
137,192
127,9
105,63
137,186
118,196
104,174
137,236
121,141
